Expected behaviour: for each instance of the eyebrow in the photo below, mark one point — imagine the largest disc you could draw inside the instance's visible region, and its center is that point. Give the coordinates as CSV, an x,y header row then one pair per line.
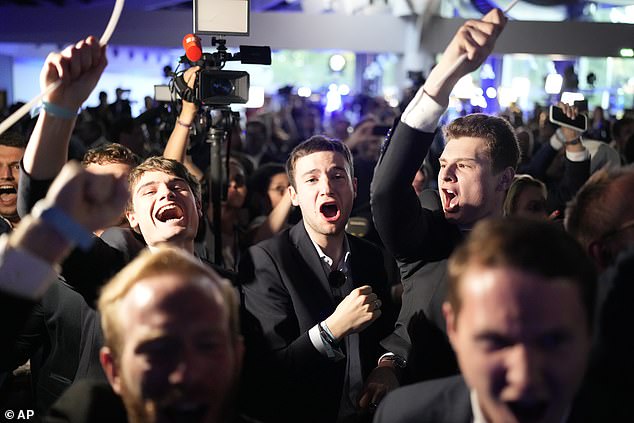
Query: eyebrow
x,y
460,159
176,179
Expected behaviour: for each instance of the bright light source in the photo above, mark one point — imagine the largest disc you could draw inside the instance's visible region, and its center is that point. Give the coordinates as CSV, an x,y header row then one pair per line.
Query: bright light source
x,y
304,92
479,101
487,72
464,87
521,86
256,98
626,52
605,100
337,62
570,97
506,96
553,83
478,92
344,89
333,101
492,92
332,87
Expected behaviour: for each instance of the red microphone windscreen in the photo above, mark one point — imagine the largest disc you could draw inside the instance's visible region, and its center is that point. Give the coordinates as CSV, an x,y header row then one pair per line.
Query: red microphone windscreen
x,y
192,46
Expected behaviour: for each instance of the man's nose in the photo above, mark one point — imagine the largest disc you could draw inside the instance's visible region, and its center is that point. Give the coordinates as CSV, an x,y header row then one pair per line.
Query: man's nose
x,y
524,370
325,186
447,174
165,191
6,172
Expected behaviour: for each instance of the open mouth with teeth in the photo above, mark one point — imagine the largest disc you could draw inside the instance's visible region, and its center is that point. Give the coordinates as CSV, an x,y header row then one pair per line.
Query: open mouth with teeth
x,y
526,412
330,211
169,214
450,200
8,193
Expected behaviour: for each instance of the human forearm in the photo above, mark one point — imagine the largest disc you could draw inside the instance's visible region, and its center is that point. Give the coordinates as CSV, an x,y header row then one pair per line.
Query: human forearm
x,y
176,146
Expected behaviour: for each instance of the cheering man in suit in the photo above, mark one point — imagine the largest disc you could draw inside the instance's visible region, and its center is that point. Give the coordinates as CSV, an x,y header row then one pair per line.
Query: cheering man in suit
x,y
313,296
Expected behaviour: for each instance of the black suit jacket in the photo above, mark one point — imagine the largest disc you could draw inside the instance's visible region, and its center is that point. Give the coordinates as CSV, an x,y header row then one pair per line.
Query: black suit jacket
x,y
62,338
285,293
436,401
421,240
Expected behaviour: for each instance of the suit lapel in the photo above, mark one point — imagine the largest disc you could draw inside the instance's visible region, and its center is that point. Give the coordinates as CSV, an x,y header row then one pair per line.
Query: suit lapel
x,y
307,253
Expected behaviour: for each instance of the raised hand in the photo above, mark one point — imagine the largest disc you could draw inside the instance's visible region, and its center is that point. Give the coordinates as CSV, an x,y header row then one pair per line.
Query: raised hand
x,y
355,312
79,67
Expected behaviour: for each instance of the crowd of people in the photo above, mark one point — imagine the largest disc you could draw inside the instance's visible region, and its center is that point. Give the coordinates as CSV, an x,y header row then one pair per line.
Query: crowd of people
x,y
478,271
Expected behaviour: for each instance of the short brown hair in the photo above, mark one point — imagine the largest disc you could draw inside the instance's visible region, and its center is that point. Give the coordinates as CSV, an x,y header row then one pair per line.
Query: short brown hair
x,y
593,212
13,139
166,260
110,153
168,166
502,143
315,144
537,247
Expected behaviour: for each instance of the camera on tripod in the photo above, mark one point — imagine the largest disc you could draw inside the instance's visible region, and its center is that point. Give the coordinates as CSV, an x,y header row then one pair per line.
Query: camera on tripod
x,y
214,86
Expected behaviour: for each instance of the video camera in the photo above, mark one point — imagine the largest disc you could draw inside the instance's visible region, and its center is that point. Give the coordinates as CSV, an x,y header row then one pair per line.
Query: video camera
x,y
214,86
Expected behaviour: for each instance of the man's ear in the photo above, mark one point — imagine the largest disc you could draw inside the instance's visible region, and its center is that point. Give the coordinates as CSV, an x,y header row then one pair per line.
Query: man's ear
x,y
109,366
293,193
505,179
134,223
600,254
450,319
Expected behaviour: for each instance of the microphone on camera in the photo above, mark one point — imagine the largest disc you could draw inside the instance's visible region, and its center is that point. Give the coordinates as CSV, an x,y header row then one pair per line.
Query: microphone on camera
x,y
193,48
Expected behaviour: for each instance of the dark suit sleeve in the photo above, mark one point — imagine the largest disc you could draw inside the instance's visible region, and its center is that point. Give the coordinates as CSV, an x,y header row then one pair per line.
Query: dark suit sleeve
x,y
27,342
88,271
408,231
414,235
30,191
575,175
270,322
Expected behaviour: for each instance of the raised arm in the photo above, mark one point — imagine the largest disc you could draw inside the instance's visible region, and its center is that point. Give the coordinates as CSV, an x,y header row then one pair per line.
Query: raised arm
x,y
79,67
408,230
176,147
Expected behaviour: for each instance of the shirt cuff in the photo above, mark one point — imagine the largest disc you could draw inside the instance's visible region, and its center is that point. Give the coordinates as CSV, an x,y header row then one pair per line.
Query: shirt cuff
x,y
422,113
24,274
322,346
578,156
557,140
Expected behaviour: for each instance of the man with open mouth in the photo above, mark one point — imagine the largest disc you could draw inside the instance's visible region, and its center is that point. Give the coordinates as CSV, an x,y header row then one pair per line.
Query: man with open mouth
x,y
12,147
520,321
316,300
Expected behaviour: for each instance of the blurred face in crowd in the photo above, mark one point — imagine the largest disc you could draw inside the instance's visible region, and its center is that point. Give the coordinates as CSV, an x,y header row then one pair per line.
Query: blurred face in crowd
x,y
469,191
178,360
325,192
237,189
530,203
164,208
9,177
277,188
522,342
622,236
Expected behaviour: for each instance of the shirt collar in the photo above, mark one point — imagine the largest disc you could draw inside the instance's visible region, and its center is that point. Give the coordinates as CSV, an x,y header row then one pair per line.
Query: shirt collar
x,y
343,264
478,416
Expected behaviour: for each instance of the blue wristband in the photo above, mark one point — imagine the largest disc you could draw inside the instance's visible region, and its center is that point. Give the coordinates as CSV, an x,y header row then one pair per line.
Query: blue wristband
x,y
58,111
64,224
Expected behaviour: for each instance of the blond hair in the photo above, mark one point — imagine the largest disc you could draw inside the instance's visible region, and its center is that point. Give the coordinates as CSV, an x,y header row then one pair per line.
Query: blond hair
x,y
165,260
